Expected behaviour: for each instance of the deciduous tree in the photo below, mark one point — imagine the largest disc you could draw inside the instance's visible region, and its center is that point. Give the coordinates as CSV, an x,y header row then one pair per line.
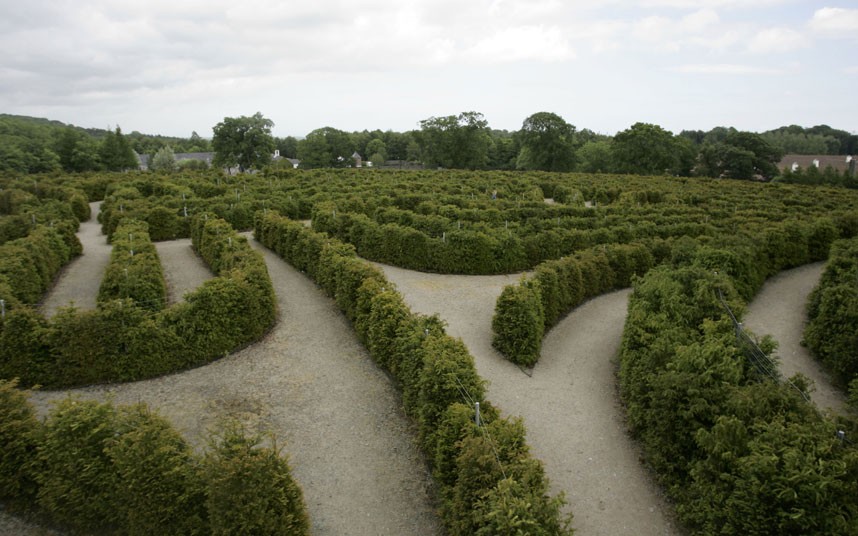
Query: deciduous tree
x,y
243,141
547,143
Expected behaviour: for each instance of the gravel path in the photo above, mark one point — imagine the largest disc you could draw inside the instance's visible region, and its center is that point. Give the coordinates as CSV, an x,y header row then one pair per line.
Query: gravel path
x,y
79,281
779,309
184,270
314,386
570,406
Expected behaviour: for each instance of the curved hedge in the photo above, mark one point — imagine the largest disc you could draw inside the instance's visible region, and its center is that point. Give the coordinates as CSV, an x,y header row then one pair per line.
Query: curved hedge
x,y
437,377
525,312
832,330
93,467
736,451
134,270
119,341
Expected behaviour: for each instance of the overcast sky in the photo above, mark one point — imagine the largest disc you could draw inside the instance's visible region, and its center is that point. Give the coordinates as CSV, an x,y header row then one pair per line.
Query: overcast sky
x,y
176,66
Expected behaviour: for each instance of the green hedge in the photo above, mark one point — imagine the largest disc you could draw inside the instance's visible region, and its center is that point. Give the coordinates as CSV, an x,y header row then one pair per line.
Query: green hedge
x,y
832,330
524,312
737,452
93,467
120,341
134,271
437,376
29,265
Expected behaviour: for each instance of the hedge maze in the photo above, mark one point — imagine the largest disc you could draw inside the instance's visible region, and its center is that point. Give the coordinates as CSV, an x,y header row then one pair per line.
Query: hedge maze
x,y
736,452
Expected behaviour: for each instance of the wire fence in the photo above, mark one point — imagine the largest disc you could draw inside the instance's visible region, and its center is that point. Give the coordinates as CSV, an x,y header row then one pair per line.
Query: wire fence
x,y
764,365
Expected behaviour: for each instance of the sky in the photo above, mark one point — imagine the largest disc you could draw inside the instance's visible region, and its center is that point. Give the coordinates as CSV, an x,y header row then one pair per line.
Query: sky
x,y
173,67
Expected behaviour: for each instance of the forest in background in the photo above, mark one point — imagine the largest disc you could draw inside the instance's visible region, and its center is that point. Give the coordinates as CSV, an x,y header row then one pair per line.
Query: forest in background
x,y
464,141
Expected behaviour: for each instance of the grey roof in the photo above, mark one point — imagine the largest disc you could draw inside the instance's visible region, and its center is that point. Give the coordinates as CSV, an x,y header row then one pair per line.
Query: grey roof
x,y
837,161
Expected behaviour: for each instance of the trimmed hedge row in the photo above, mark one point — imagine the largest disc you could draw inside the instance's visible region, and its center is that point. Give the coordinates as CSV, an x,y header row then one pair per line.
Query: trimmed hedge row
x,y
134,270
121,342
524,312
28,265
736,451
437,377
558,286
479,249
93,467
832,332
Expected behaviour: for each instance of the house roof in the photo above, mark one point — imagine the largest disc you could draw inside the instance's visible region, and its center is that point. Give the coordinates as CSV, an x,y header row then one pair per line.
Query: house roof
x,y
804,161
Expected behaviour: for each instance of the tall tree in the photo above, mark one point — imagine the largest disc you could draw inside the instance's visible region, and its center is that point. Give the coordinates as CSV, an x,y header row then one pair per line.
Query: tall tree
x,y
547,143
116,153
243,141
164,160
766,157
460,142
648,149
325,147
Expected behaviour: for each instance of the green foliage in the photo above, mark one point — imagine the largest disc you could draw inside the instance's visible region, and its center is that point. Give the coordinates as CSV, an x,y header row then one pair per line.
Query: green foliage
x,y
115,152
18,426
832,330
250,489
647,149
77,483
161,488
134,271
325,148
95,468
518,322
457,142
547,143
436,373
164,160
243,142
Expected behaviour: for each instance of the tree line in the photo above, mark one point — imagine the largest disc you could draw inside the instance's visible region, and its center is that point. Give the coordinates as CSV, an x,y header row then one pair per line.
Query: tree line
x,y
545,142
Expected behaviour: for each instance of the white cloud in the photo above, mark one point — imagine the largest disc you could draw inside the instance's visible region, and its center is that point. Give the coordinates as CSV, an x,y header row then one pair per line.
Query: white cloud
x,y
697,4
699,20
724,68
835,22
851,70
533,43
774,40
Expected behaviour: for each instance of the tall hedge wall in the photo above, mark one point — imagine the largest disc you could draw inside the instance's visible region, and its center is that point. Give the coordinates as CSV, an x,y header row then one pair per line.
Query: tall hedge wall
x,y
439,382
737,452
134,270
95,468
119,341
561,285
832,331
524,312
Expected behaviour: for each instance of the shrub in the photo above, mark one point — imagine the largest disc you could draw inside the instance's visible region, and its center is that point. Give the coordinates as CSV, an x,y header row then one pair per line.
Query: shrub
x,y
77,483
18,427
250,489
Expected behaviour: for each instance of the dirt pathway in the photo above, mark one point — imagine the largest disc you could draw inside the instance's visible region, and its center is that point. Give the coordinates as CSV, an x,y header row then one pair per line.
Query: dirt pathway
x,y
79,281
338,416
779,309
184,270
570,406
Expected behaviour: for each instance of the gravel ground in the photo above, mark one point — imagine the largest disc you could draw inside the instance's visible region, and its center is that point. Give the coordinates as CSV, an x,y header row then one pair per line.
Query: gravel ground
x,y
184,270
314,386
79,281
779,309
350,445
570,406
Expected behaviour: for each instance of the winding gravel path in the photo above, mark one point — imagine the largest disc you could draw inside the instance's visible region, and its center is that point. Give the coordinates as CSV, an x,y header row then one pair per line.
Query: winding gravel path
x,y
183,269
570,406
350,445
779,309
312,384
79,281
